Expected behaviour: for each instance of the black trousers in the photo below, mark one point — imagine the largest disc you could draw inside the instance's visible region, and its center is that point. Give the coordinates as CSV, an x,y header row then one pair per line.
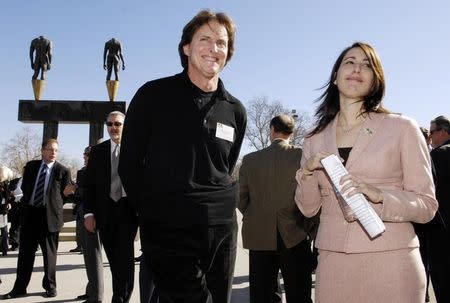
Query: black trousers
x,y
147,290
14,231
439,262
296,265
191,264
117,236
34,231
93,261
4,239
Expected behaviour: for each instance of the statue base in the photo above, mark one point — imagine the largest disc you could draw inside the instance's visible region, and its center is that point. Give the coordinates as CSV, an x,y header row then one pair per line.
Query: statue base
x,y
38,88
112,87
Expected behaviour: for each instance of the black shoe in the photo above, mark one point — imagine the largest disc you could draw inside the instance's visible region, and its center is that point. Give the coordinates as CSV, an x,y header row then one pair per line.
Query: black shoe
x,y
87,301
83,297
76,249
14,294
13,247
50,293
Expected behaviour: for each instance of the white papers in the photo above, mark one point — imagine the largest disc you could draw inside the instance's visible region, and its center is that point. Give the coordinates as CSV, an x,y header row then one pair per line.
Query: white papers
x,y
362,209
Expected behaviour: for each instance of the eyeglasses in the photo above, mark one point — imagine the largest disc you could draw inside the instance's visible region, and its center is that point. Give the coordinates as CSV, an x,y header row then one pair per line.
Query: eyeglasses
x,y
116,124
434,130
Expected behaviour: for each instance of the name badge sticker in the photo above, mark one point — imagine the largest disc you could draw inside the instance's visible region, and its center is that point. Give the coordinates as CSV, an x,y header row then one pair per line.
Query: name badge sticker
x,y
224,132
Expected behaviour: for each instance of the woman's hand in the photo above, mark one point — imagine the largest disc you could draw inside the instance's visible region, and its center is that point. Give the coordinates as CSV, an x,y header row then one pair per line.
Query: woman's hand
x,y
352,186
313,163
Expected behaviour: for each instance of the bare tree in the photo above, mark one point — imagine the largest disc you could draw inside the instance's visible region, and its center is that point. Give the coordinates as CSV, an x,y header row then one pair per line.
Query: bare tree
x,y
72,164
259,113
21,148
25,146
302,123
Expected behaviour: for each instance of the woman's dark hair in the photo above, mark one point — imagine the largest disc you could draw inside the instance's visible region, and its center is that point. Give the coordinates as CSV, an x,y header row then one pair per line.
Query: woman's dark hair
x,y
329,107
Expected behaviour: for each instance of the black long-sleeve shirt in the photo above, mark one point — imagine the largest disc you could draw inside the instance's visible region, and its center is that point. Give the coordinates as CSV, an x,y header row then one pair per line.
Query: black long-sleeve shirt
x,y
173,162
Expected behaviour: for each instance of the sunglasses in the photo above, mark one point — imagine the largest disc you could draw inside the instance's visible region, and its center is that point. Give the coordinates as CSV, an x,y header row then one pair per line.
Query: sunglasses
x,y
116,124
434,130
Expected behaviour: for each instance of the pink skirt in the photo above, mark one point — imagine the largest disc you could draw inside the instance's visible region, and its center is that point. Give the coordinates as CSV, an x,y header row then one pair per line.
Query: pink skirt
x,y
396,276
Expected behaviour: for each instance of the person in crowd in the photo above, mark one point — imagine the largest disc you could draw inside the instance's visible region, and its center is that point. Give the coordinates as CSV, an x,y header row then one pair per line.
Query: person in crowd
x,y
439,229
273,229
6,200
107,209
14,213
421,229
185,195
388,162
42,218
77,211
90,243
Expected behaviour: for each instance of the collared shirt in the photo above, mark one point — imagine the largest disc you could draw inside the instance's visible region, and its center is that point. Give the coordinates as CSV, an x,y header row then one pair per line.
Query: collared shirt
x,y
47,178
113,147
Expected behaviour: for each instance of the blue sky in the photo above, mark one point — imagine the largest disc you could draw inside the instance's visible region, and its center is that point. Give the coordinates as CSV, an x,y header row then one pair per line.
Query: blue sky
x,y
284,50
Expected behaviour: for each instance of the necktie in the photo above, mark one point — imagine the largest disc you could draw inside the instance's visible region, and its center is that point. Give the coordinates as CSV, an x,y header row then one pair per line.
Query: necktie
x,y
40,186
116,185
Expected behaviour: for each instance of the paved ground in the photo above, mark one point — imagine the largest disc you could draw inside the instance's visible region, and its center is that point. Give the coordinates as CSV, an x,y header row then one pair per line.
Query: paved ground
x,y
71,277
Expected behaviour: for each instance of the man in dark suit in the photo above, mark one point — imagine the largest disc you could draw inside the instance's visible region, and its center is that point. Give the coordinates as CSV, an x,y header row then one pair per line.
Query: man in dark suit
x,y
179,167
438,229
108,209
90,243
273,229
42,218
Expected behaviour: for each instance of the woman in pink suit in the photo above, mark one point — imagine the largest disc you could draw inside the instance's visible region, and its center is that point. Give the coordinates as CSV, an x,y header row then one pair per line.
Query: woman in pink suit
x,y
388,162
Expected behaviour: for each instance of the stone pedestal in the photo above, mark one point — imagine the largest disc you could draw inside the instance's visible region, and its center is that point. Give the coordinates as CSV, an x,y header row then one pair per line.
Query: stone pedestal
x,y
38,88
112,87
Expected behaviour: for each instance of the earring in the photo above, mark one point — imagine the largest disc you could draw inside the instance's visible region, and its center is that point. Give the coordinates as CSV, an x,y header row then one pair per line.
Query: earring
x,y
335,82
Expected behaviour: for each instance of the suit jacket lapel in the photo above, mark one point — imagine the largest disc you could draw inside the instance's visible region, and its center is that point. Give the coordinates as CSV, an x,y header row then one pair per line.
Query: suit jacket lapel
x,y
369,130
108,161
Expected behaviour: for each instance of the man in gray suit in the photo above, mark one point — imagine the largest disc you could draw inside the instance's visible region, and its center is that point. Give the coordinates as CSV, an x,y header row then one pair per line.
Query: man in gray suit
x,y
90,241
273,229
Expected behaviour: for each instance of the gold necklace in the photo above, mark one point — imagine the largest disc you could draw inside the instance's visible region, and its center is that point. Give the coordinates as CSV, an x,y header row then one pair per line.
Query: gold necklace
x,y
349,129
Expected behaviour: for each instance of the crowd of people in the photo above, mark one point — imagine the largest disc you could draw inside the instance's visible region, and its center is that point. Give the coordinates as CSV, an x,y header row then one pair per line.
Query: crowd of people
x,y
182,196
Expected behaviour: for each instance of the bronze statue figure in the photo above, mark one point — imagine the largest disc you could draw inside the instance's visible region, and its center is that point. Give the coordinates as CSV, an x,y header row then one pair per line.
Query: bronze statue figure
x,y
42,47
112,55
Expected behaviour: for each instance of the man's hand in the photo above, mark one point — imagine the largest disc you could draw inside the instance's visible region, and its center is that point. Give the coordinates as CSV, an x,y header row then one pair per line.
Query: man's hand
x,y
69,190
89,224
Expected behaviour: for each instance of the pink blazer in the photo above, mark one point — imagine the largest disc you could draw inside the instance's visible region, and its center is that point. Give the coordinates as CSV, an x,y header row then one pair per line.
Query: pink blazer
x,y
391,154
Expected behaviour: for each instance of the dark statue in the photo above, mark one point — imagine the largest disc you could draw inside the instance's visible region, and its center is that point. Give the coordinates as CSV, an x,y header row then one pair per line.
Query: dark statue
x,y
42,47
112,56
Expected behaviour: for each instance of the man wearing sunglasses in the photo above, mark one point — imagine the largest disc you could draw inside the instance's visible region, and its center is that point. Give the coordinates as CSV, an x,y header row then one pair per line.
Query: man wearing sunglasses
x,y
107,210
439,228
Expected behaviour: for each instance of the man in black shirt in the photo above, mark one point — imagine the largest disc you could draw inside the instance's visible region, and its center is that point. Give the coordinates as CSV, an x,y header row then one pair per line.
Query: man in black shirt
x,y
178,170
